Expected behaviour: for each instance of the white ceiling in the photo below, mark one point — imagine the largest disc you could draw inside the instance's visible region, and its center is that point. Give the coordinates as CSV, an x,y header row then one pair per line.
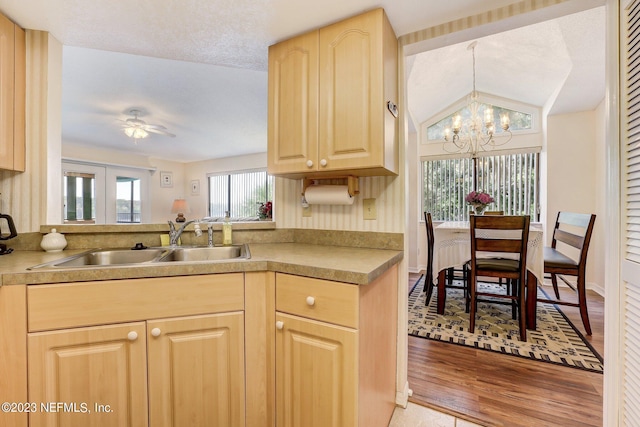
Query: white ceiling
x,y
199,67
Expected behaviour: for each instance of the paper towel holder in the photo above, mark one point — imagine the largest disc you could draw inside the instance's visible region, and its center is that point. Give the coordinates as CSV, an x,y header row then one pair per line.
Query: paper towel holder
x,y
352,183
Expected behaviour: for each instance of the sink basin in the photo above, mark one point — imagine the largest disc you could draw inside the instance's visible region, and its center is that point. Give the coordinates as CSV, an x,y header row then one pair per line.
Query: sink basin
x,y
206,253
106,257
120,257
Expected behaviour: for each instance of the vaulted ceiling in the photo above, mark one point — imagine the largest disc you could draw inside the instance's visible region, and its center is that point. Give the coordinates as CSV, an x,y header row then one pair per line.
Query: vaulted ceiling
x,y
199,67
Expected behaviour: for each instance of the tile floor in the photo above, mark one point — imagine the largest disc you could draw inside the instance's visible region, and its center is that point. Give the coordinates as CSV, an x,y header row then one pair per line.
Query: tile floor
x,y
420,416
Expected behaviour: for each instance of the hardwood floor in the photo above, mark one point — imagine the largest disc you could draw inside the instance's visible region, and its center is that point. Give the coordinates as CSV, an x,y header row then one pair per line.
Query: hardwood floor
x,y
498,390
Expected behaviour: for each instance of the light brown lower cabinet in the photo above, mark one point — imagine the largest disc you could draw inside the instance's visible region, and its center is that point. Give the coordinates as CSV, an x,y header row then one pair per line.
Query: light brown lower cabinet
x,y
335,352
162,371
260,349
316,380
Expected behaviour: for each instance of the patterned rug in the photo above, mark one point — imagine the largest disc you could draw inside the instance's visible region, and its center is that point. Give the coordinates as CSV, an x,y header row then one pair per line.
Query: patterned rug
x,y
555,340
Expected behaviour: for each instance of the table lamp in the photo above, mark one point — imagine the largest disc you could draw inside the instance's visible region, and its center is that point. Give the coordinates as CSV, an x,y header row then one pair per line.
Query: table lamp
x,y
180,206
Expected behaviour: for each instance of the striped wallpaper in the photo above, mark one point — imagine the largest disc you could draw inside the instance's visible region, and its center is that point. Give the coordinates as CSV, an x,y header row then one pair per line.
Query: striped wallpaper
x,y
488,17
389,205
25,195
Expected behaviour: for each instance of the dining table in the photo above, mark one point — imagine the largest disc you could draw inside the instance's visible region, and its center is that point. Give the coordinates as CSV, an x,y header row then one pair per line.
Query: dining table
x,y
452,248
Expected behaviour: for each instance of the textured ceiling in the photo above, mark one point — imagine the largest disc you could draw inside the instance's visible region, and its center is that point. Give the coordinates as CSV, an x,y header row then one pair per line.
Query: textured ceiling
x,y
199,67
545,65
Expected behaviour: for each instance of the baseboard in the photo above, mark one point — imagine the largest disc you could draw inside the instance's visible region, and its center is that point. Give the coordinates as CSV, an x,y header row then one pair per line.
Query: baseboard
x,y
416,270
590,285
402,396
596,288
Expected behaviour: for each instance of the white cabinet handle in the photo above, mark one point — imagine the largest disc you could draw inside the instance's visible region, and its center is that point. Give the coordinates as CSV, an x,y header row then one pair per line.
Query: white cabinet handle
x,y
132,336
311,301
323,163
156,332
279,324
309,164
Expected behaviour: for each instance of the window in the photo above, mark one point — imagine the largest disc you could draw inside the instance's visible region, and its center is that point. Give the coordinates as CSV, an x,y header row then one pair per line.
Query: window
x,y
79,197
128,204
518,121
512,180
239,193
118,194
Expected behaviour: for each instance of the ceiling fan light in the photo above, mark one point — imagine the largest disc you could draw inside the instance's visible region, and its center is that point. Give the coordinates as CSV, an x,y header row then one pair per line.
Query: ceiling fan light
x,y
136,133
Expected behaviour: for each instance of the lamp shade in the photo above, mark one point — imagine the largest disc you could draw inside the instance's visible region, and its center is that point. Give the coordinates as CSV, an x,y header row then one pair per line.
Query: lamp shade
x,y
180,206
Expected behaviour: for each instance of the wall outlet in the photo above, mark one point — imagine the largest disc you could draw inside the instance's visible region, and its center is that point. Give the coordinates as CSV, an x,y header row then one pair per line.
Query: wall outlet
x,y
306,212
369,208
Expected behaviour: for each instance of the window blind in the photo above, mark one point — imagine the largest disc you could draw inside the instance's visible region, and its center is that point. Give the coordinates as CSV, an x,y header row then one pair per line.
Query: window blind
x,y
513,181
632,190
630,150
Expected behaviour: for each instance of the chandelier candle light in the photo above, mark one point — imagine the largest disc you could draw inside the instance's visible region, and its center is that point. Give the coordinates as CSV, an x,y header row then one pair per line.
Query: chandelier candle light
x,y
479,200
469,136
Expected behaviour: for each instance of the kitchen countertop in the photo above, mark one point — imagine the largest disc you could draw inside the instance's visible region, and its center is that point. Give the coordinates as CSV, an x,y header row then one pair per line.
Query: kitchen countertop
x,y
359,266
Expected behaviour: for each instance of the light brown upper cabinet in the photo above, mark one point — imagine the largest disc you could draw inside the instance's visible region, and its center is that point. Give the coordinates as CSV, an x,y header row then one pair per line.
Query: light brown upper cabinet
x,y
329,95
12,95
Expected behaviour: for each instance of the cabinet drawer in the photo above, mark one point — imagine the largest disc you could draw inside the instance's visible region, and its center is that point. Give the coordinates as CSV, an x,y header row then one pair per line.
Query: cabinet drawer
x,y
113,301
317,299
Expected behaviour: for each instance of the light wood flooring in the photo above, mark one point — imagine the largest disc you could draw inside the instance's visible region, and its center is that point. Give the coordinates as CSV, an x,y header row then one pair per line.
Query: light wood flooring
x,y
491,389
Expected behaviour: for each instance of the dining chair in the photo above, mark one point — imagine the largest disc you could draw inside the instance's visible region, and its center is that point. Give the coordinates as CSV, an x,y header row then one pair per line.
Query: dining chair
x,y
428,280
572,230
505,239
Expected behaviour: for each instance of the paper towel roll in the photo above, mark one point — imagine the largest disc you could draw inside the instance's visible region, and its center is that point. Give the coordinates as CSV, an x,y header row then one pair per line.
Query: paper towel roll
x,y
328,195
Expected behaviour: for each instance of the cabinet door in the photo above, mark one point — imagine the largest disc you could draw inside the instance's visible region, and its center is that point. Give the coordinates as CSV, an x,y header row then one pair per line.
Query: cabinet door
x,y
293,105
351,127
196,371
7,65
89,376
316,374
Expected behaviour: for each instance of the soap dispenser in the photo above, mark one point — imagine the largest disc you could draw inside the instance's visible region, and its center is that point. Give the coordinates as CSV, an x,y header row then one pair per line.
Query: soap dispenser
x,y
226,230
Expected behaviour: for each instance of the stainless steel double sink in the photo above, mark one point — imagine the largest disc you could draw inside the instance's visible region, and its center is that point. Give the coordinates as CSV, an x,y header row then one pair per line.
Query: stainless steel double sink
x,y
155,255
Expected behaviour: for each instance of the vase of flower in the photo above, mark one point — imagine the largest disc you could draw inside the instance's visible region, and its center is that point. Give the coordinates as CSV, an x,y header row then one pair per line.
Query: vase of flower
x,y
479,209
479,200
265,211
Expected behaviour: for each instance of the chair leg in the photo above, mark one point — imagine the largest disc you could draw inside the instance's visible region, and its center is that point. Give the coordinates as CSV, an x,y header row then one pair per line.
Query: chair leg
x,y
554,281
465,278
522,310
513,291
450,274
473,304
582,299
428,290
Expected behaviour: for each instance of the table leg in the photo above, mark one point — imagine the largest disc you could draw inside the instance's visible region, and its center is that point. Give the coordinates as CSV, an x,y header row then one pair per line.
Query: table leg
x,y
532,300
442,293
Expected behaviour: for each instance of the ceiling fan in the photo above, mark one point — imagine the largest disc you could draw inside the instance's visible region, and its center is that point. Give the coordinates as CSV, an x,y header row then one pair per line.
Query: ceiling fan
x,y
137,128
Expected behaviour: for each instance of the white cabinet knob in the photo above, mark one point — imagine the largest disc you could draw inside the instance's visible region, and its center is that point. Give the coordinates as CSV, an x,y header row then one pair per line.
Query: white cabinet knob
x,y
156,332
132,336
323,163
309,164
279,324
311,301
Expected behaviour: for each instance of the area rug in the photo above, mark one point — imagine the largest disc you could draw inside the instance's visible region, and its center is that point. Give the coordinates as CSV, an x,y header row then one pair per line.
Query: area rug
x,y
555,340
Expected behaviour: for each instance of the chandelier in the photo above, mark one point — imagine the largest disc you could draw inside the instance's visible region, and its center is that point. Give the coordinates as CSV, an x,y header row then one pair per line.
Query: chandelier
x,y
477,132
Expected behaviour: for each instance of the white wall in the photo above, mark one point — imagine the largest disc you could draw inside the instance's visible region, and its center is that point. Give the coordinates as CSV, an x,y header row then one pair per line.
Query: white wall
x,y
575,177
197,171
597,247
